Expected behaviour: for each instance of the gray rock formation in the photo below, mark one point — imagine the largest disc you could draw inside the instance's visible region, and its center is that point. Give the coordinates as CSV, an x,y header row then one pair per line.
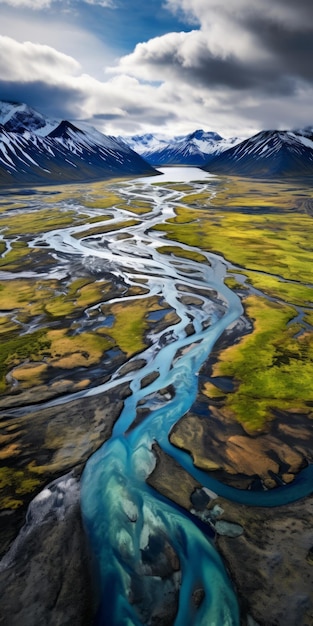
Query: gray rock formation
x,y
45,576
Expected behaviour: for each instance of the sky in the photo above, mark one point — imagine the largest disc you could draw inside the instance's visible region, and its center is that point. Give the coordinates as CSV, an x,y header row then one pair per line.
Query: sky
x,y
163,66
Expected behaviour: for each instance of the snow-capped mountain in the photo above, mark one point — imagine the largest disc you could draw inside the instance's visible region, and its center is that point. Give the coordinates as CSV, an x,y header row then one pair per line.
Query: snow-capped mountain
x,y
31,155
193,149
17,117
147,142
268,154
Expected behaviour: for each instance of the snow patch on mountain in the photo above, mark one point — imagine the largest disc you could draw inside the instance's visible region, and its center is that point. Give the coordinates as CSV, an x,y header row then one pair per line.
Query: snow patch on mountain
x,y
267,154
192,149
34,150
18,117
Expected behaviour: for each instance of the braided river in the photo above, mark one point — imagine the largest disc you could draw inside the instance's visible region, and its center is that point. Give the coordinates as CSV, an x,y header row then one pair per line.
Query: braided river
x,y
123,516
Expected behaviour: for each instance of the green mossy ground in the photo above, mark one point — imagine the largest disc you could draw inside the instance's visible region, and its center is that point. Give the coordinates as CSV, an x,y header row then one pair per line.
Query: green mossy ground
x,y
185,254
263,229
272,368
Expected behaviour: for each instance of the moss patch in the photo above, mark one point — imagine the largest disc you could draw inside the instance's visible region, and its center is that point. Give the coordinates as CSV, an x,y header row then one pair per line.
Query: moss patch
x,y
272,368
185,254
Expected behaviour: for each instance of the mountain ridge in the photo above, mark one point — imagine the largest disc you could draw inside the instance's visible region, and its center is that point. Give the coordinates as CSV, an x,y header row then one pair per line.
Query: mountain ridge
x,y
192,149
268,154
59,152
38,150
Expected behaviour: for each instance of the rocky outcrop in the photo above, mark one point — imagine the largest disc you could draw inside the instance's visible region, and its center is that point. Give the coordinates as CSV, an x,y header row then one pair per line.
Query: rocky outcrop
x,y
270,562
268,551
45,576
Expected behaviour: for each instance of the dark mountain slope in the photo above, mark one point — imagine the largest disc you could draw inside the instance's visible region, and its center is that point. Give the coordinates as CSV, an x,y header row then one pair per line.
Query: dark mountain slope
x,y
269,154
67,154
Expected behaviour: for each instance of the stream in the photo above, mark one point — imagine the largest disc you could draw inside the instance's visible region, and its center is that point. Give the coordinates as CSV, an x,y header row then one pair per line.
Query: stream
x,y
127,522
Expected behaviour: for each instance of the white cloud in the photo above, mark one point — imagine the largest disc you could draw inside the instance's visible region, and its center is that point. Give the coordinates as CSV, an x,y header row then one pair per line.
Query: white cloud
x,y
33,62
31,4
108,4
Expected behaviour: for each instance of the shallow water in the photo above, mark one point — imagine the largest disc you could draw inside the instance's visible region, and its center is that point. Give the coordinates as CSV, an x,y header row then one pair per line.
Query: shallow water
x,y
128,523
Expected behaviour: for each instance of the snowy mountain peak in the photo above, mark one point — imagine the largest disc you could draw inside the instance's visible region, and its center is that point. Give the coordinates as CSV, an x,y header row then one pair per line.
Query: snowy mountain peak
x,y
34,151
65,130
204,135
268,154
192,149
18,117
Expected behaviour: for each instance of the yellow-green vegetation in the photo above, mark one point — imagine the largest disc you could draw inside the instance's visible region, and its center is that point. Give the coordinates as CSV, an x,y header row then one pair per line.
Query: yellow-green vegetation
x,y
267,230
185,254
32,297
175,186
17,348
105,199
200,199
98,230
19,249
29,355
18,481
80,294
30,374
277,244
234,284
36,221
272,367
140,207
308,317
81,350
131,323
242,193
7,325
293,292
29,296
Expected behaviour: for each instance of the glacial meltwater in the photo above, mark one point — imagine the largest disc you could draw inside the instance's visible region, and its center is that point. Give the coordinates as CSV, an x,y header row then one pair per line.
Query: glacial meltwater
x,y
122,514
154,562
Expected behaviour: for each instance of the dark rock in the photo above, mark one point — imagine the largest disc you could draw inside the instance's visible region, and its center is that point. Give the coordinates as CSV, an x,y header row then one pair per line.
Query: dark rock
x,y
45,576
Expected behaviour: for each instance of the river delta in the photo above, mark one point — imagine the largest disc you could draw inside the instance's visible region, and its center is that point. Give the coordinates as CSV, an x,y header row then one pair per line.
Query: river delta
x,y
161,328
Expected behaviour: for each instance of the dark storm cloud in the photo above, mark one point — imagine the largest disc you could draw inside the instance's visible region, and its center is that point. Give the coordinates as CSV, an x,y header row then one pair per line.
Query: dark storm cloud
x,y
292,50
211,72
264,47
107,116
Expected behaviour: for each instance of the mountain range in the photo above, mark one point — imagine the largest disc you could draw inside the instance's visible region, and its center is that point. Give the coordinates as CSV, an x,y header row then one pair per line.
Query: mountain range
x,y
193,149
35,150
268,154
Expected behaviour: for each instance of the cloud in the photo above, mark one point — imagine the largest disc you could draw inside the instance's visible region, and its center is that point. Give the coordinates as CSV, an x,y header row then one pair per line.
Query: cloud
x,y
243,44
108,4
244,65
44,4
55,84
188,57
31,4
27,61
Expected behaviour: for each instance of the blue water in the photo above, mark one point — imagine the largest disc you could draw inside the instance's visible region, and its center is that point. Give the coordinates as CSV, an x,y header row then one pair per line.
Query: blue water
x,y
123,516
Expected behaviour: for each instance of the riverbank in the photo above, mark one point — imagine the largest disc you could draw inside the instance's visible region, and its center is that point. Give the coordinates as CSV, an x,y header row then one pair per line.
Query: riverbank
x,y
269,560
